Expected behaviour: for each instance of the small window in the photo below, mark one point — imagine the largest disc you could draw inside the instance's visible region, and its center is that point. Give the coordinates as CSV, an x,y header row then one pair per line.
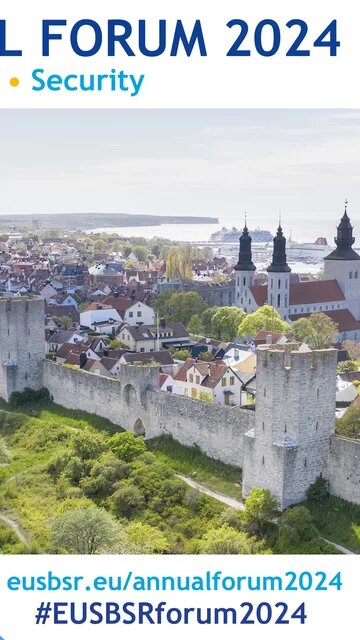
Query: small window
x,y
197,379
131,314
318,393
278,300
142,350
232,380
263,460
191,378
263,426
265,392
223,382
317,425
169,388
244,281
139,314
305,462
350,275
279,284
356,275
285,429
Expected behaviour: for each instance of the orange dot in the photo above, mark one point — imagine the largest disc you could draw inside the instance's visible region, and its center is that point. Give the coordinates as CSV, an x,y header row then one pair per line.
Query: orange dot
x,y
14,82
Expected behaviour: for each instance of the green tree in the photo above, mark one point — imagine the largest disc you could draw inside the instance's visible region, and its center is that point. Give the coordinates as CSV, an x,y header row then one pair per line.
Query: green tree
x,y
349,424
226,540
127,501
180,354
127,446
225,322
195,325
260,508
318,330
147,539
206,318
104,475
141,253
84,531
206,356
349,365
88,445
265,318
66,322
297,534
183,306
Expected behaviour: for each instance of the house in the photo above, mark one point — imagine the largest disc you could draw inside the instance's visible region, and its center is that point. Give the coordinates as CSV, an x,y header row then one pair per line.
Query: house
x,y
148,338
211,382
102,319
241,360
58,312
345,391
75,354
132,312
167,383
103,367
60,337
269,337
48,292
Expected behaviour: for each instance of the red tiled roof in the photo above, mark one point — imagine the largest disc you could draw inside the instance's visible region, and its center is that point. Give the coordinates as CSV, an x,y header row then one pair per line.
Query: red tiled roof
x,y
213,372
342,317
313,292
163,378
259,291
316,291
121,304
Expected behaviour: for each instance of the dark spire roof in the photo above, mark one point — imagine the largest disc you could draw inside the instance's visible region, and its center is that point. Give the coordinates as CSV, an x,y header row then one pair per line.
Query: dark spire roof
x,y
245,262
279,264
344,240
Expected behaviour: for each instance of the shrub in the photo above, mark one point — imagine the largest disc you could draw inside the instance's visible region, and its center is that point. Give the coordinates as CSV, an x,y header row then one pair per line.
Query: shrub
x,y
28,396
127,446
127,501
317,491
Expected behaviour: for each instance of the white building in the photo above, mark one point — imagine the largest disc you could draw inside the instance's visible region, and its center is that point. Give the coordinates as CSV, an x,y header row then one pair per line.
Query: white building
x,y
210,381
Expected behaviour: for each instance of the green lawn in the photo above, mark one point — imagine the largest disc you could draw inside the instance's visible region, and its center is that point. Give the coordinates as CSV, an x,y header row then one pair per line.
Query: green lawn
x,y
338,521
191,462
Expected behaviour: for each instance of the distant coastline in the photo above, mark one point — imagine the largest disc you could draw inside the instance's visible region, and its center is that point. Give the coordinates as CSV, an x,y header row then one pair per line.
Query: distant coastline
x,y
88,221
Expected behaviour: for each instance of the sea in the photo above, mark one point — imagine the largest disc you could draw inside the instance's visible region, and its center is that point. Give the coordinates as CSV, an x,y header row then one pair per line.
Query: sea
x,y
300,230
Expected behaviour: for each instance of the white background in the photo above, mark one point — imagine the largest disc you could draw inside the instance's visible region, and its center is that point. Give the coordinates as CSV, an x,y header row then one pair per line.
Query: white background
x,y
181,82
330,613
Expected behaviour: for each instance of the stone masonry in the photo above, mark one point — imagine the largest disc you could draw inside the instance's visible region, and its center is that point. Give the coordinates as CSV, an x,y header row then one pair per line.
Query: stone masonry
x,y
284,445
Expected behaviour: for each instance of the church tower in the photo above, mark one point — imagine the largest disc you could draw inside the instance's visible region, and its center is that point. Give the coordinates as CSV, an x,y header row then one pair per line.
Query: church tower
x,y
244,269
279,276
343,265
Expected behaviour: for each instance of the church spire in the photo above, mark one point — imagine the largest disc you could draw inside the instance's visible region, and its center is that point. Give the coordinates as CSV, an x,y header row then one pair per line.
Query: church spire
x,y
245,262
279,264
344,240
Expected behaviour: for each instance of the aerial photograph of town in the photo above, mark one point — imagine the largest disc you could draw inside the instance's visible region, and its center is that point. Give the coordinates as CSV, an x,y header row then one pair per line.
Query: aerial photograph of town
x,y
180,332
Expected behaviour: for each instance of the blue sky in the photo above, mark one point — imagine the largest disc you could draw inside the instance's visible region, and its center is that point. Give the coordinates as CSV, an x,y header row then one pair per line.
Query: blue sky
x,y
219,163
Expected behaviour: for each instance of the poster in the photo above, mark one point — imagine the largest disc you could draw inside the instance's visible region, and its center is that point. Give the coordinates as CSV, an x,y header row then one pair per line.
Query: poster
x,y
179,319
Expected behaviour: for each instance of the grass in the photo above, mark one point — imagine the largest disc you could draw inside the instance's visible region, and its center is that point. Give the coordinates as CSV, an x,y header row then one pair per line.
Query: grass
x,y
34,434
191,462
338,521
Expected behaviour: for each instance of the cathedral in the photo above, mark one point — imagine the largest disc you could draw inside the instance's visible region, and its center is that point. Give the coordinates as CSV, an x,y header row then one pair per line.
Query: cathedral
x,y
337,295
